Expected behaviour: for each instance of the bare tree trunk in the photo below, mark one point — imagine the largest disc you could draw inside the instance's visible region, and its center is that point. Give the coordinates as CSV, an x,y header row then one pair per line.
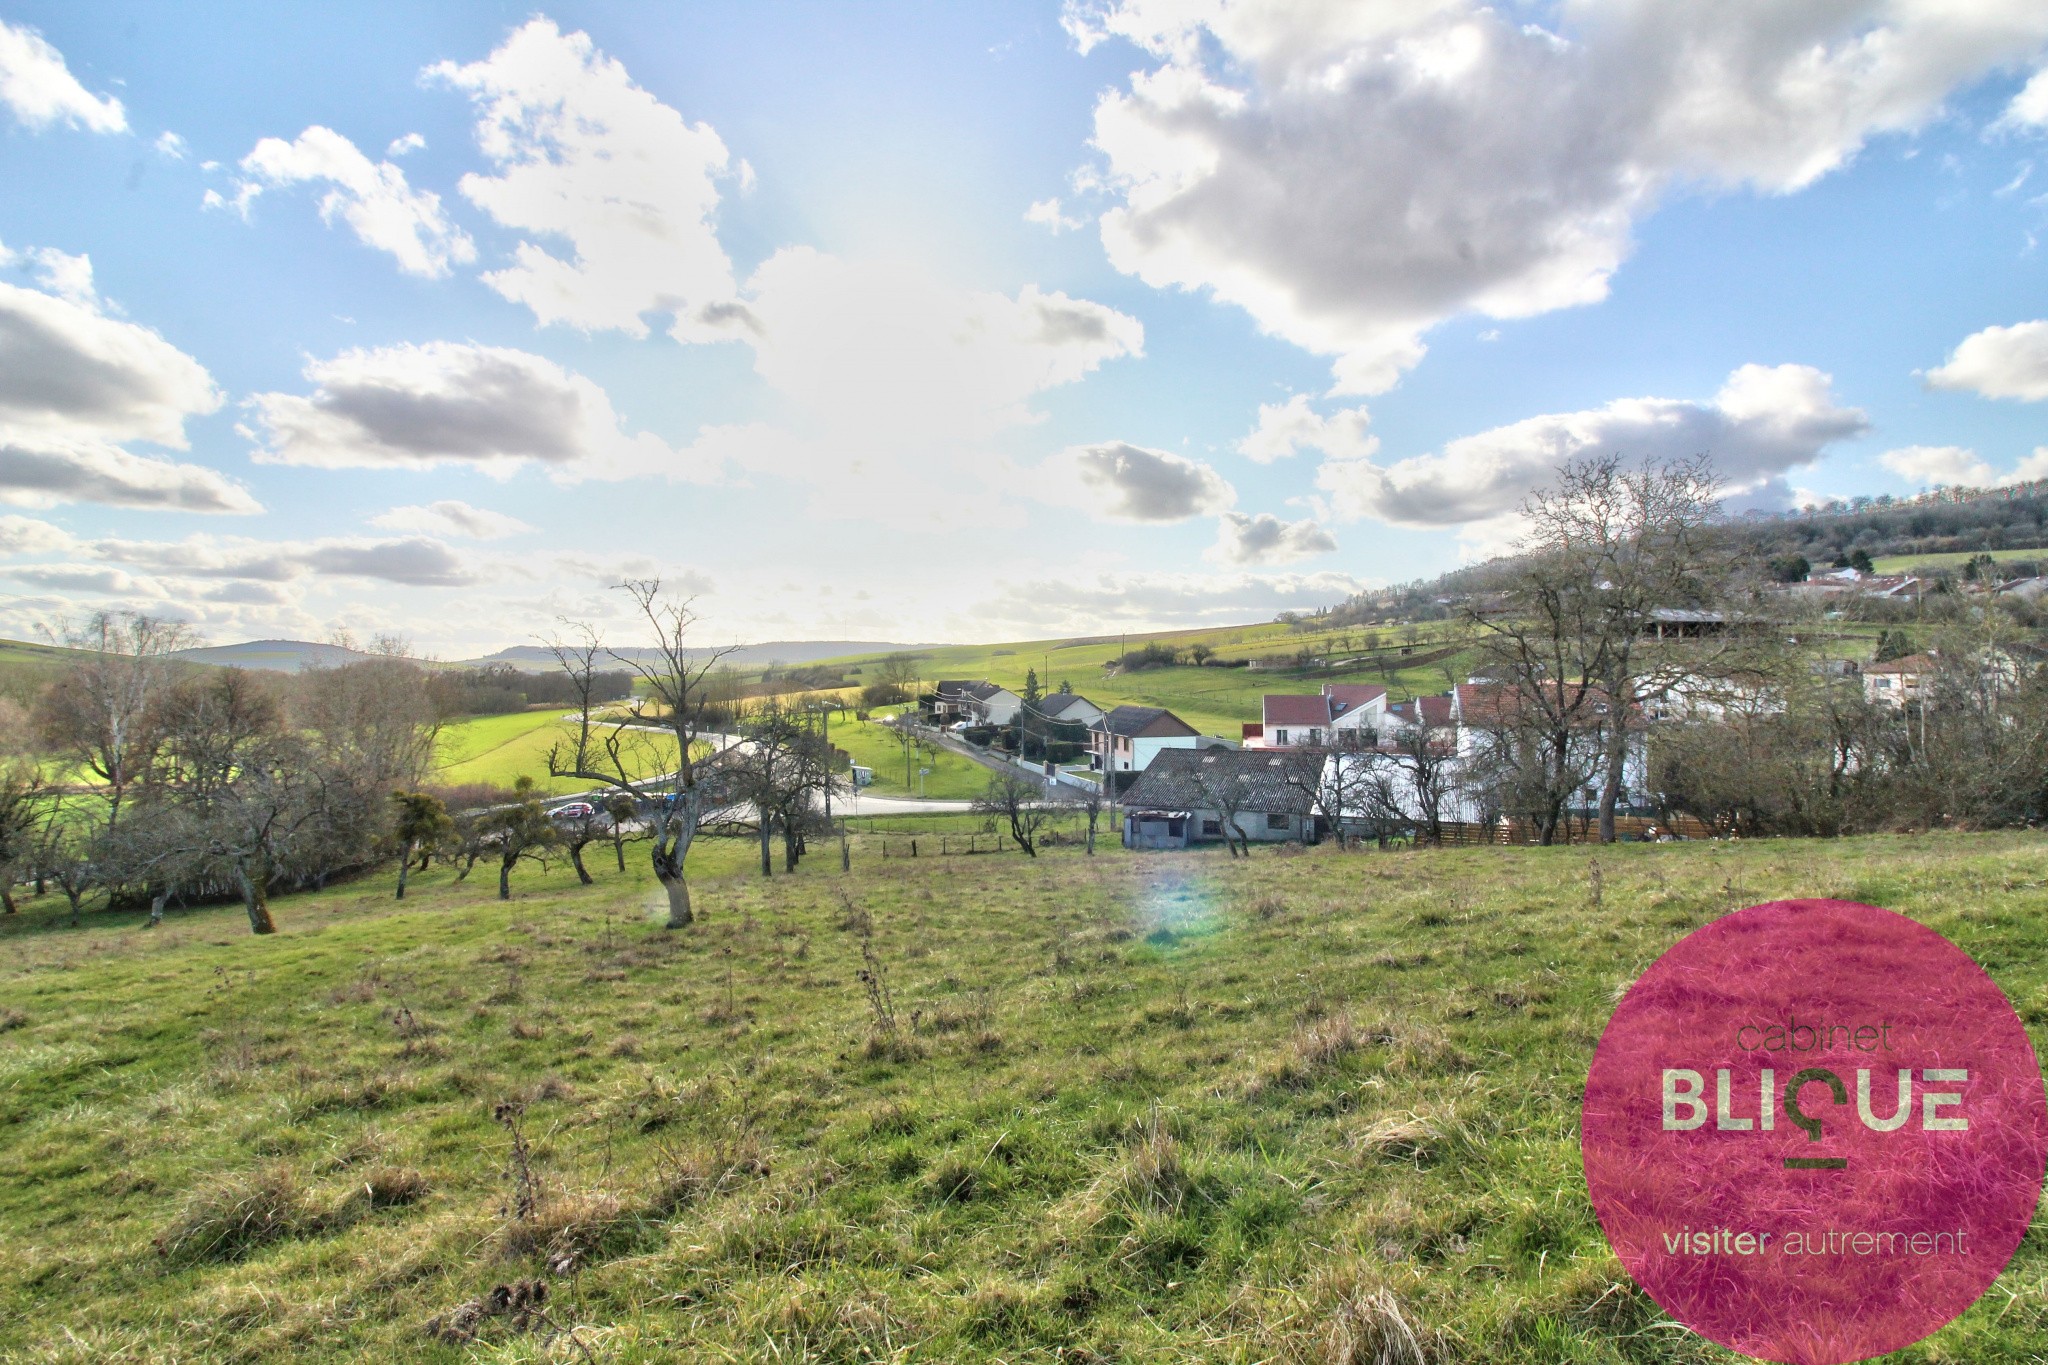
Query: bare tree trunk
x,y
505,879
619,843
767,858
156,906
1091,834
1610,786
256,898
7,900
679,916
576,858
404,866
76,905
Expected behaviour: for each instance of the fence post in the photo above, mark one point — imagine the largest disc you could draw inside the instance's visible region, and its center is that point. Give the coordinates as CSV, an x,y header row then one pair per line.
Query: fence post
x,y
913,848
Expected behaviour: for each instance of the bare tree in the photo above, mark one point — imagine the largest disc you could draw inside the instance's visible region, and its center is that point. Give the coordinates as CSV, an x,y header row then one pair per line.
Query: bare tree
x,y
252,798
1630,541
619,815
70,855
373,720
1226,796
630,751
1015,799
577,833
782,769
21,821
99,713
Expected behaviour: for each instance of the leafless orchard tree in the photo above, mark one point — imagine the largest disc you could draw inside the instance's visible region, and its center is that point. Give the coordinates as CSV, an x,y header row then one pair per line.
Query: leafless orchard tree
x,y
1637,538
1016,800
1571,638
99,714
628,750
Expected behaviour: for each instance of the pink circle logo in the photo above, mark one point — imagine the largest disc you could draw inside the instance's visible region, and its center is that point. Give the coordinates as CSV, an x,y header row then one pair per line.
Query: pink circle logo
x,y
1814,1131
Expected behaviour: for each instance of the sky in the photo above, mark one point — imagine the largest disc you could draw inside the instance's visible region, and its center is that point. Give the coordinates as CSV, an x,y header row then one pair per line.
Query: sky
x,y
929,322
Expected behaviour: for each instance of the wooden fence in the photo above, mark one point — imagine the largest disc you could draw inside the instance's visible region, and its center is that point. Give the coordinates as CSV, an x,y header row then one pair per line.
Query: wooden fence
x,y
1575,830
944,845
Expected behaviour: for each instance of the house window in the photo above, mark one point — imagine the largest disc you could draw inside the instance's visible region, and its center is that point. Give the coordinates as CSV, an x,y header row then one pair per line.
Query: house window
x,y
1276,822
1212,827
1279,736
1315,737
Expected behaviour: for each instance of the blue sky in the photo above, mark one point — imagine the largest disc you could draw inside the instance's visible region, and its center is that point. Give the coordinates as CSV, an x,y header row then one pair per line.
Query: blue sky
x,y
958,322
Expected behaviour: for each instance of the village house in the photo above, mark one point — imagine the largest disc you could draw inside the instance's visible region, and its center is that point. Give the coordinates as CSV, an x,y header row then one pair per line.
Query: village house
x,y
976,702
1342,715
1895,682
1128,738
1492,714
1186,796
1067,708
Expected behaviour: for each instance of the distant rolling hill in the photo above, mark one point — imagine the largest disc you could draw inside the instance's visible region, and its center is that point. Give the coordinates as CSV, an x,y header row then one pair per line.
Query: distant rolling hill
x,y
534,659
291,656
274,656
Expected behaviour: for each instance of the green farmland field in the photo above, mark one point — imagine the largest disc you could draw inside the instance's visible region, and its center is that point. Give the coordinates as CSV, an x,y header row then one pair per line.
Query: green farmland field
x,y
1144,1108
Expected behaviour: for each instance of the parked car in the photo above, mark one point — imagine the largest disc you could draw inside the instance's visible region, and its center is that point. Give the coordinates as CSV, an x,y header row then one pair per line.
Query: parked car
x,y
575,810
957,726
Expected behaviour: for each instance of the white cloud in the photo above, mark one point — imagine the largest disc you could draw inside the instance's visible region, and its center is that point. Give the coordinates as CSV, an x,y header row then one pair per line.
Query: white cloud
x,y
40,89
1763,422
2029,108
586,156
1950,465
94,578
1999,362
1265,539
1287,427
413,561
1076,602
884,348
67,276
1351,174
168,144
69,370
411,142
373,198
1958,467
46,471
1046,214
2030,468
451,518
27,536
892,375
74,382
1117,481
447,402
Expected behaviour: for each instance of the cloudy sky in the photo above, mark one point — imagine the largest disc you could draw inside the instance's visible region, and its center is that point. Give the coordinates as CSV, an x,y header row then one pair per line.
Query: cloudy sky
x,y
935,322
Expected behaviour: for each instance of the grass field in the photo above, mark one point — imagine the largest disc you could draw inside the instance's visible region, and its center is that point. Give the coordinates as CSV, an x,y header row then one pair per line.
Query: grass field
x,y
1955,560
1140,1108
952,777
501,749
1214,700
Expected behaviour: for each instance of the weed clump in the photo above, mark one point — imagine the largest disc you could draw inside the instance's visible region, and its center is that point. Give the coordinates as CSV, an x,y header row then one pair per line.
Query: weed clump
x,y
685,1176
227,1219
1367,1328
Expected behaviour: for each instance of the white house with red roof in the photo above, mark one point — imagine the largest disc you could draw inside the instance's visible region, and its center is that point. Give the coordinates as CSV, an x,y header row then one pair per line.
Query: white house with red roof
x,y
1341,716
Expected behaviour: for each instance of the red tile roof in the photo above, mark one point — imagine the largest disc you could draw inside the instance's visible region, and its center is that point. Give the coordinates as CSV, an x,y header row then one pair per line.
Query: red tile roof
x,y
1289,709
1345,697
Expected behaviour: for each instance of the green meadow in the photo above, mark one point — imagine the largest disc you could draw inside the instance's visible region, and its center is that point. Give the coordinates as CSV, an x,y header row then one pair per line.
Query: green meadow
x,y
499,750
1144,1108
